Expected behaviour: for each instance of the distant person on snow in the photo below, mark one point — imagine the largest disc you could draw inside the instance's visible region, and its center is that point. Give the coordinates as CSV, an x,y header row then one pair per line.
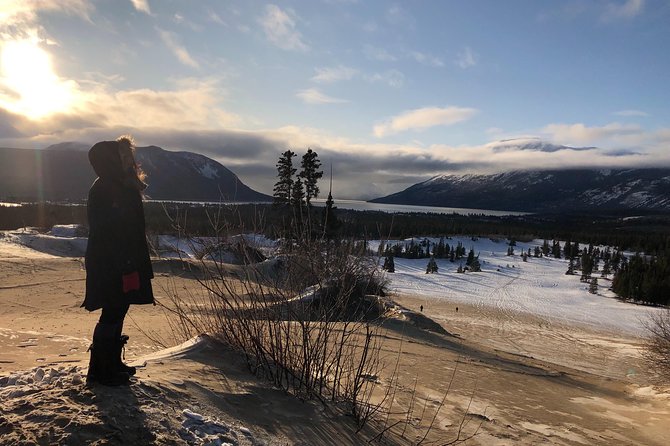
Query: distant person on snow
x,y
118,267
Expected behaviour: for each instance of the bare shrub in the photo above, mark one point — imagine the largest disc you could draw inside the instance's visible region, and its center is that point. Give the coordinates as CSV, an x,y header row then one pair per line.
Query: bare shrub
x,y
657,347
305,319
308,319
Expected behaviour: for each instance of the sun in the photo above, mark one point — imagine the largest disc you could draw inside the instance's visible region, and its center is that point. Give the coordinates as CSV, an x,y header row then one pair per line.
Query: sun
x,y
29,85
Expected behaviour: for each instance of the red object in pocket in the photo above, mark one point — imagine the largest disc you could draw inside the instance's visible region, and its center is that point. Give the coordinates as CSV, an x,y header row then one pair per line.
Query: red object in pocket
x,y
131,281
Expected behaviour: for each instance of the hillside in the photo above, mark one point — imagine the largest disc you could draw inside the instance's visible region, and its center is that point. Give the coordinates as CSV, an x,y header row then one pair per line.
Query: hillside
x,y
62,172
544,190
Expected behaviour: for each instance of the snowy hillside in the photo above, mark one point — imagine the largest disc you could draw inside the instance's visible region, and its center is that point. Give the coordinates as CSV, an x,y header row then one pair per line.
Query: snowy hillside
x,y
543,190
539,287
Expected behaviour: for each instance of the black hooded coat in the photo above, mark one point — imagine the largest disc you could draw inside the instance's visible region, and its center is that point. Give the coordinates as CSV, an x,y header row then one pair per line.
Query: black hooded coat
x,y
117,242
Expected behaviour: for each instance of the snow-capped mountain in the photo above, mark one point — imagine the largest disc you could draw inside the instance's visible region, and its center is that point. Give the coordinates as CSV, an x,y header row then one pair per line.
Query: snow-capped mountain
x,y
62,172
544,190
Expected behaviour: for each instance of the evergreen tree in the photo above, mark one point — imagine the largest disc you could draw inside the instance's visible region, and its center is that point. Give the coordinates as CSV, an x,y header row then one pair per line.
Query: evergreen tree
x,y
593,286
389,264
556,249
471,257
283,189
545,248
432,266
571,267
475,266
606,268
298,193
537,251
310,174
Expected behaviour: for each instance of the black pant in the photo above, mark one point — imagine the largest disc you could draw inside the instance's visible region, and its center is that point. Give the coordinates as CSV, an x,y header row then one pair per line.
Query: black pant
x,y
110,324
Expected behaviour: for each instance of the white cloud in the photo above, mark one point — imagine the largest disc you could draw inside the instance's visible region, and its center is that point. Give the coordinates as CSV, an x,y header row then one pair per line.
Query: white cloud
x,y
280,29
380,54
392,78
141,5
580,134
427,59
466,58
334,74
177,49
628,113
19,18
423,118
214,17
314,96
626,10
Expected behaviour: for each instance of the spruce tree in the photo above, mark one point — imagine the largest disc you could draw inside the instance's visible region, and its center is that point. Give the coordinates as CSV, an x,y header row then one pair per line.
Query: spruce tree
x,y
471,257
593,286
432,266
310,174
475,266
283,189
298,193
389,264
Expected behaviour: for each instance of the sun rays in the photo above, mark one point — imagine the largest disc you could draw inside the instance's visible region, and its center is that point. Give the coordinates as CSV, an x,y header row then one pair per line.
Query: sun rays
x,y
28,84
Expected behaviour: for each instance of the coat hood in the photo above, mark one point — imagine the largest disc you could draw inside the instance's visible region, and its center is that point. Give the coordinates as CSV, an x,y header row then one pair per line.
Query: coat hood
x,y
105,159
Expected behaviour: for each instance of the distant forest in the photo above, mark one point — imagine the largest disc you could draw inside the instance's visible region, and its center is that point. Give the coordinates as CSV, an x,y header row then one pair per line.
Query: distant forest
x,y
644,278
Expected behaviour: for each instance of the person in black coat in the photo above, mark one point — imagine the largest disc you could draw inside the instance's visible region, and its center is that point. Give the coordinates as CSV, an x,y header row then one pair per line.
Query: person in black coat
x,y
118,267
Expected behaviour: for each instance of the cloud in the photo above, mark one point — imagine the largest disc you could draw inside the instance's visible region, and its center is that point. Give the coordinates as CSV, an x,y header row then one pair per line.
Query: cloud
x,y
621,11
466,58
280,29
380,54
582,134
141,5
334,74
170,40
628,113
392,78
427,59
214,17
423,118
17,13
314,96
532,144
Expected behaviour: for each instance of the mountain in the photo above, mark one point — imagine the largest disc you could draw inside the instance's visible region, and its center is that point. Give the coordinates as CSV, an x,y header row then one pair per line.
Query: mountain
x,y
544,190
62,173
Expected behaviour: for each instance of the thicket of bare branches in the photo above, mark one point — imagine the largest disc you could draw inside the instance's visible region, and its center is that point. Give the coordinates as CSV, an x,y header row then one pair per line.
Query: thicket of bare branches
x,y
308,320
305,319
657,348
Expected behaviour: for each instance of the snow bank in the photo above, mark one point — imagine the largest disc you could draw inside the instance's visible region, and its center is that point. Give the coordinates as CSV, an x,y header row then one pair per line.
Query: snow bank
x,y
61,241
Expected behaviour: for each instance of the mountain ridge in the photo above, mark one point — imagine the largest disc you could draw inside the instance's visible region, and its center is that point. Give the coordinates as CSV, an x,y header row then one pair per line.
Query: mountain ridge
x,y
543,190
62,172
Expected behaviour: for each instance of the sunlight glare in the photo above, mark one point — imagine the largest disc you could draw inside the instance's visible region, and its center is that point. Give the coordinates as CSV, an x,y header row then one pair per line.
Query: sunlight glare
x,y
34,89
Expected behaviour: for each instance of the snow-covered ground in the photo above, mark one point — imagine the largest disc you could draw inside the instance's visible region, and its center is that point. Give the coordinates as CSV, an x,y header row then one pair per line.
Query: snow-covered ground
x,y
538,286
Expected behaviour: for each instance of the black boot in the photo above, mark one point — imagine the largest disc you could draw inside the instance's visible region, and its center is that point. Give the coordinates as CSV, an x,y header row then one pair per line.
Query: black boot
x,y
130,370
103,367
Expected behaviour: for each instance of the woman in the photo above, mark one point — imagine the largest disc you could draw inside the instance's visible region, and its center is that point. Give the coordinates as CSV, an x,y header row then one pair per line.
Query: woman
x,y
118,268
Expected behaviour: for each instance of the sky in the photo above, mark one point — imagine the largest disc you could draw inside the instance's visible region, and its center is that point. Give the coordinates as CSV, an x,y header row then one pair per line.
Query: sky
x,y
388,93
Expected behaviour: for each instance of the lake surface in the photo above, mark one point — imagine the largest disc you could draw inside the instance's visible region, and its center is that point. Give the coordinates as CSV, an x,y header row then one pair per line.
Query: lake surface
x,y
357,205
